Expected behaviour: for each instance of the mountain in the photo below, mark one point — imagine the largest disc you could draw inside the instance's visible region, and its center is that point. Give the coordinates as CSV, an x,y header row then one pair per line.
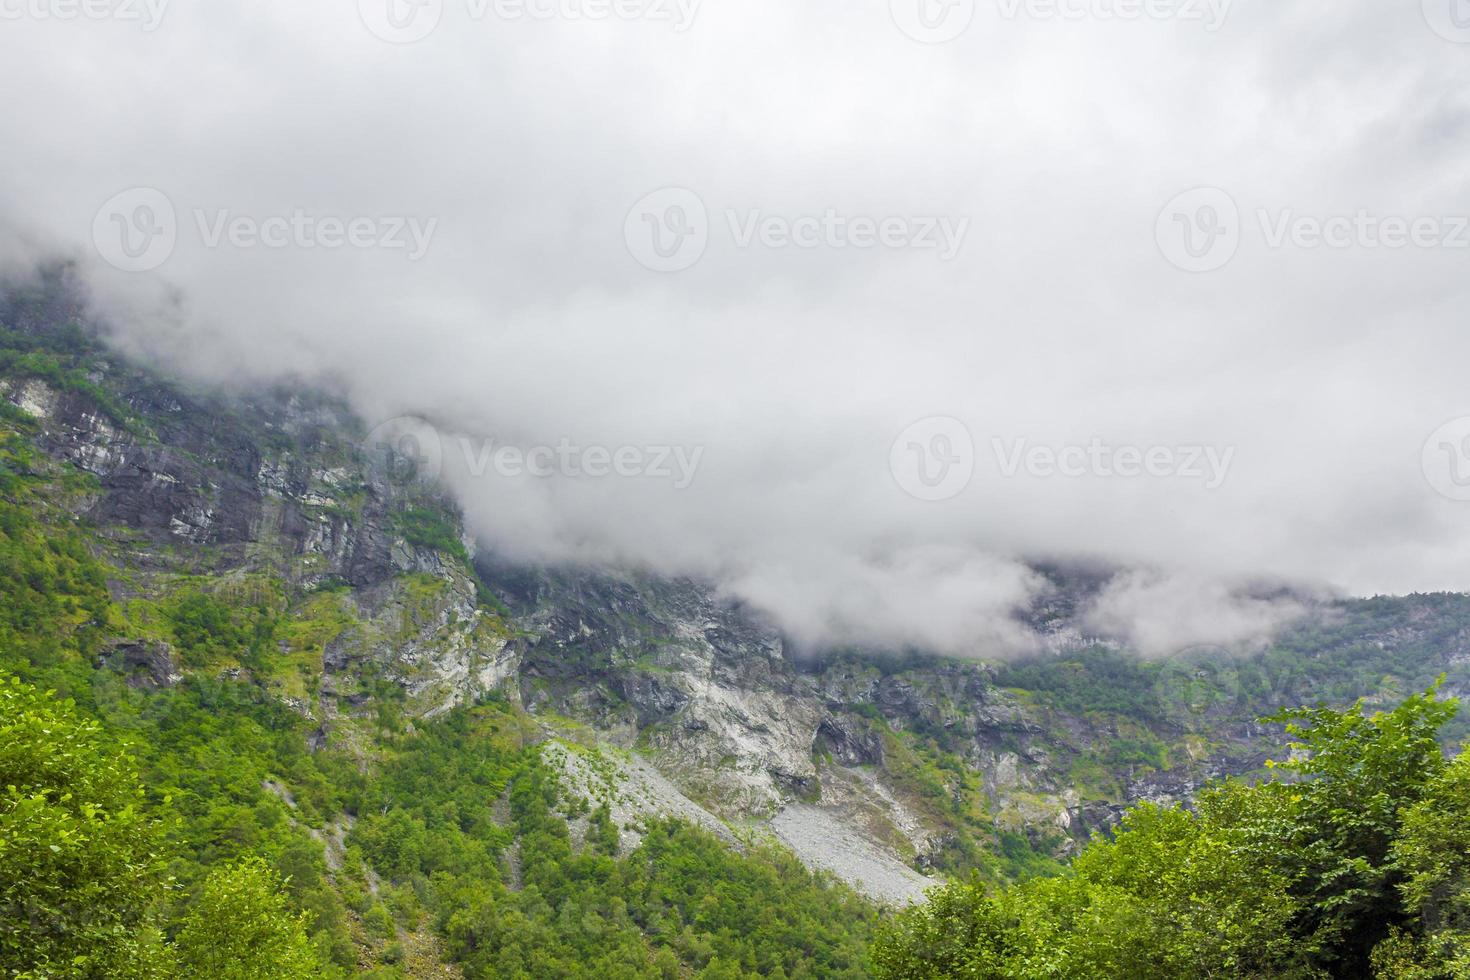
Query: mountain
x,y
458,759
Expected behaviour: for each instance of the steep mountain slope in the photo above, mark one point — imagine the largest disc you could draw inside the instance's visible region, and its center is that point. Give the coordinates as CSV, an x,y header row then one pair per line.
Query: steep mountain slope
x,y
292,625
290,639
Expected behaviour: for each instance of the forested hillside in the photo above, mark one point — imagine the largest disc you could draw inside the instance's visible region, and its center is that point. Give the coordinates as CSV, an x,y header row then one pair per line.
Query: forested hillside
x,y
171,811
1352,860
257,679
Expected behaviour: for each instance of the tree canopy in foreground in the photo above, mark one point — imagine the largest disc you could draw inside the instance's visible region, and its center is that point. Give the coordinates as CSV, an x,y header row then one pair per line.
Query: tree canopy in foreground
x,y
1352,860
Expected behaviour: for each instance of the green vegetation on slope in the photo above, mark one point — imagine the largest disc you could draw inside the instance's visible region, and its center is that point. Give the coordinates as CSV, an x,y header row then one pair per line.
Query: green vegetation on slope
x,y
58,358
189,830
179,831
427,852
1352,862
518,899
83,887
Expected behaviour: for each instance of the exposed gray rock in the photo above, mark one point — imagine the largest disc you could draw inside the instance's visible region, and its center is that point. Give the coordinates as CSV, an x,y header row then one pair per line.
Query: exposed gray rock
x,y
825,842
711,693
145,663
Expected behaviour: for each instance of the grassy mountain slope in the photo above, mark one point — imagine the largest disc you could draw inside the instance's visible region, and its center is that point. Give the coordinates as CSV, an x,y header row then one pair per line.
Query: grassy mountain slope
x,y
415,847
311,666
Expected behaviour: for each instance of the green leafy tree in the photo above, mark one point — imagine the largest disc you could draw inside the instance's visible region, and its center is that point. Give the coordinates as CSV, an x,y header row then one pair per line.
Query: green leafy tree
x,y
1358,774
83,890
1433,855
241,929
81,879
1354,860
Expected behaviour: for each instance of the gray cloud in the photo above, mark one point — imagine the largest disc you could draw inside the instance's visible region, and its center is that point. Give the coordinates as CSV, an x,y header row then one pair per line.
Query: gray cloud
x,y
1161,614
794,370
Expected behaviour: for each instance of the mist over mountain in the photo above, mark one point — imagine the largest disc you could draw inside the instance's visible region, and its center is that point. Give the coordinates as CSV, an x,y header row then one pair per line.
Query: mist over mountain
x,y
734,489
1025,322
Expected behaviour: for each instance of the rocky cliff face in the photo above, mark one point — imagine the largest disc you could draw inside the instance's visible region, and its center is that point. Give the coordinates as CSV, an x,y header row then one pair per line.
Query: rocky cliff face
x,y
911,757
274,488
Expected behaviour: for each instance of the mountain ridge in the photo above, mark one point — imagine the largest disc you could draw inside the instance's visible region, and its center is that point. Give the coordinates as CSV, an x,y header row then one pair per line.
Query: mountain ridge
x,y
254,542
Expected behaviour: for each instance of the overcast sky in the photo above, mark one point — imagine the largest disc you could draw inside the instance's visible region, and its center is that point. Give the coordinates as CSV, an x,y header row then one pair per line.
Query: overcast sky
x,y
867,266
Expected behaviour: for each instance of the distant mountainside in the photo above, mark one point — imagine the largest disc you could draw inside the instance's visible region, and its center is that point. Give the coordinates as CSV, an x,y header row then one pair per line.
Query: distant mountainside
x,y
295,629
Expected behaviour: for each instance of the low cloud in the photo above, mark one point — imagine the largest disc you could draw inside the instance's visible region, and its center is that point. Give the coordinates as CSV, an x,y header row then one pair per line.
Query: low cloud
x,y
1095,297
1160,614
